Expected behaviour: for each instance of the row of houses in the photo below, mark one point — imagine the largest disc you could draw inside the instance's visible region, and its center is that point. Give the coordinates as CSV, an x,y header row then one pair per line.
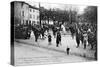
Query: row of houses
x,y
24,13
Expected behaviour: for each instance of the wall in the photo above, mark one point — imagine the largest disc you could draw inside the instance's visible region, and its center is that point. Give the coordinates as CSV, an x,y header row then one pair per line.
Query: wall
x,y
17,13
25,13
34,14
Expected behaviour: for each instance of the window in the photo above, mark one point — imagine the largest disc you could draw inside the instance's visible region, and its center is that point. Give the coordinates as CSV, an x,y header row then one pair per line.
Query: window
x,y
33,16
26,22
23,21
23,13
37,17
30,21
33,10
30,16
30,10
33,22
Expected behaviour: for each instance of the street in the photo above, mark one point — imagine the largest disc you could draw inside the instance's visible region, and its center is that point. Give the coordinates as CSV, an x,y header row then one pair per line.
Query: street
x,y
28,52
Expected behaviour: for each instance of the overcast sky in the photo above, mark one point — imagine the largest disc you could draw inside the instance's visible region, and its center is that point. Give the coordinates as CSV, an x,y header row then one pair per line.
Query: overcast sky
x,y
79,8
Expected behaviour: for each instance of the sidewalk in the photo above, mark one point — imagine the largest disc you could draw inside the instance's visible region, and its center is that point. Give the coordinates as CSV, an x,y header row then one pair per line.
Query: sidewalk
x,y
67,41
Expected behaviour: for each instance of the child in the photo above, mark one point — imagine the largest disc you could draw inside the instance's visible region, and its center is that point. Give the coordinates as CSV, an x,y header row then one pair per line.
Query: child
x,y
49,39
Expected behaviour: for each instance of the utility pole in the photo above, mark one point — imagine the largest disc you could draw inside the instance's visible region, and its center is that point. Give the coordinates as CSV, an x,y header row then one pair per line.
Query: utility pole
x,y
70,16
40,13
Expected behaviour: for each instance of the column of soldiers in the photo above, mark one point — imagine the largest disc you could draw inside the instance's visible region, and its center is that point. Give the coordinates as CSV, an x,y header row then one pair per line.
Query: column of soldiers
x,y
85,34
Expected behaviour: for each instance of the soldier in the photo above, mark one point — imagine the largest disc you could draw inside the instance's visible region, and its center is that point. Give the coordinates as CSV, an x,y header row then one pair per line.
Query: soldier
x,y
72,30
77,40
79,37
91,39
85,40
36,34
60,38
54,31
42,32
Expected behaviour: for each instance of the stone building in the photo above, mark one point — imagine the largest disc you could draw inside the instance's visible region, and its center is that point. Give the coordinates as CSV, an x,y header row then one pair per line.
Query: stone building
x,y
24,13
33,15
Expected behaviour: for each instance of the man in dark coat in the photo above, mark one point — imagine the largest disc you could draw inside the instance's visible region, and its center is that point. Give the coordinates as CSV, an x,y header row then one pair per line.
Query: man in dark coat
x,y
54,31
79,37
36,33
42,32
58,39
72,30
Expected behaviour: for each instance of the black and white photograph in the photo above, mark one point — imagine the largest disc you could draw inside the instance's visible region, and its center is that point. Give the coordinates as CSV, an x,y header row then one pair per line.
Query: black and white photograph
x,y
53,33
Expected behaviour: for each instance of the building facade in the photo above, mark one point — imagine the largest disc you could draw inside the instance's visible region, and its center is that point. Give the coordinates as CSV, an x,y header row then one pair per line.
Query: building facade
x,y
33,15
24,13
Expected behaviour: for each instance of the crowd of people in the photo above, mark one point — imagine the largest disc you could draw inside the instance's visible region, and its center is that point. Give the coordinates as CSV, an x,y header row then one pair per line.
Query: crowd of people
x,y
39,31
82,34
85,33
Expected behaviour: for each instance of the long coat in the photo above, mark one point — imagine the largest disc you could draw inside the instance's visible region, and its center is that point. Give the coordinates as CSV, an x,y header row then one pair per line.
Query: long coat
x,y
58,39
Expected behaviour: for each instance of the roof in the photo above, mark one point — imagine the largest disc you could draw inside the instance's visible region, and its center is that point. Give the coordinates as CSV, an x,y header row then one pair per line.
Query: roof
x,y
33,7
30,6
